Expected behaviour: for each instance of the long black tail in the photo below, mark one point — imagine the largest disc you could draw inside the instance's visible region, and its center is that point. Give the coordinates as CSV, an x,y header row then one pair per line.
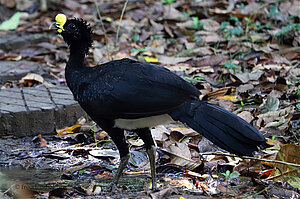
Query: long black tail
x,y
220,126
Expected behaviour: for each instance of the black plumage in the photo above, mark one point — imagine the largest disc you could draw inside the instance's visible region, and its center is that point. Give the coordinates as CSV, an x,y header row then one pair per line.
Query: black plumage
x,y
127,94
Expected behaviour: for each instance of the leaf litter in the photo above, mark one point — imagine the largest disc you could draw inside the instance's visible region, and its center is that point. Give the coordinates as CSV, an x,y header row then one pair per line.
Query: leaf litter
x,y
242,55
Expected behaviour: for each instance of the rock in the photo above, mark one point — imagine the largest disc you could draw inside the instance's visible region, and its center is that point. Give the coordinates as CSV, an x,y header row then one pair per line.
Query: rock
x,y
33,111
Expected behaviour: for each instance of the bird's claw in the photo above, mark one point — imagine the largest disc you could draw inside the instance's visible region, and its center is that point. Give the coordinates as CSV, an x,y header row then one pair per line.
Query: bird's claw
x,y
113,187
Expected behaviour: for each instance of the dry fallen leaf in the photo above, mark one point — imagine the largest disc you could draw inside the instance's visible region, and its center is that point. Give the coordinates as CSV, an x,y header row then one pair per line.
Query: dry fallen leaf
x,y
246,115
288,153
171,60
32,77
68,130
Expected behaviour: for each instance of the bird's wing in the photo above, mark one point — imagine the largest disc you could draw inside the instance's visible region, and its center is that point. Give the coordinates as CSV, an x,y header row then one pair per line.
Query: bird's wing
x,y
130,89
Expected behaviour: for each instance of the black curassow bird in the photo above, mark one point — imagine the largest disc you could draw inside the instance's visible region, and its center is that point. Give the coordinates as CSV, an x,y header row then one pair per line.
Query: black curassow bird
x,y
132,95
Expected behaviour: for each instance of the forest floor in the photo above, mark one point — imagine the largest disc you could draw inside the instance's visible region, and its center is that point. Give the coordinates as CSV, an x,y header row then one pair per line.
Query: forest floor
x,y
242,55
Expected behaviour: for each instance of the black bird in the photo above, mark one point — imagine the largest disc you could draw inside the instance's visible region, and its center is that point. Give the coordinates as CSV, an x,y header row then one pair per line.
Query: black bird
x,y
132,95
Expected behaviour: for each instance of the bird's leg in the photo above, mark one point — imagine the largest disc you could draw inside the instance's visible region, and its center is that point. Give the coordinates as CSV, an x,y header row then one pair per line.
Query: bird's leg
x,y
145,135
151,154
117,136
123,163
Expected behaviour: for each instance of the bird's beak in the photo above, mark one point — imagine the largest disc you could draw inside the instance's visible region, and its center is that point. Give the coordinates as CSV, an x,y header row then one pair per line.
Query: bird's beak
x,y
53,26
56,26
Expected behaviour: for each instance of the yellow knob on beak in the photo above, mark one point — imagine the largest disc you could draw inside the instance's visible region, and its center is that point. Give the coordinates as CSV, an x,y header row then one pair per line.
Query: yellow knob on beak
x,y
60,22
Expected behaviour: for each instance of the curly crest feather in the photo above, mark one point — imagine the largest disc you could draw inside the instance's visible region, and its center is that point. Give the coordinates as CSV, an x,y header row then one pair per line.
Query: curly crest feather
x,y
78,32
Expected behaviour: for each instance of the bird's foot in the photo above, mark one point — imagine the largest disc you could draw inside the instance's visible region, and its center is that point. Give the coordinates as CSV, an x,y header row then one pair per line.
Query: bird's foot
x,y
113,187
123,163
154,187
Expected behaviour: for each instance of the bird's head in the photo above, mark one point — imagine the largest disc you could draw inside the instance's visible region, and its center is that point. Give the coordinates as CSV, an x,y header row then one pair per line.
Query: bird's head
x,y
74,31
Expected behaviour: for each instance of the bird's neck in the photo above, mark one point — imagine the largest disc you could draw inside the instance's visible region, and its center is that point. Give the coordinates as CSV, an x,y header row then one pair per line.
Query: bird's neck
x,y
75,66
77,55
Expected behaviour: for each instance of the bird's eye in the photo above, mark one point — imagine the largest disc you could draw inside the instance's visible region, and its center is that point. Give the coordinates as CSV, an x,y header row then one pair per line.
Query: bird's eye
x,y
72,26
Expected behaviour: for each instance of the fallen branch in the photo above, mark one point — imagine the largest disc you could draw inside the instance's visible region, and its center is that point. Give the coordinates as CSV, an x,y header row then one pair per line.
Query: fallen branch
x,y
252,158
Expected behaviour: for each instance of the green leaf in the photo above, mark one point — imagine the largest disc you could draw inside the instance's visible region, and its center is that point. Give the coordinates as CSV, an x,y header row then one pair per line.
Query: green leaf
x,y
248,20
237,31
287,28
234,174
298,89
197,25
232,18
227,174
167,1
224,24
242,104
230,65
242,5
138,50
274,9
12,23
156,36
192,80
135,37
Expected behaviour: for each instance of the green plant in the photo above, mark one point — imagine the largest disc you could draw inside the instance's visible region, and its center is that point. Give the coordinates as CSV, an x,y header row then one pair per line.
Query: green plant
x,y
257,26
135,36
224,24
167,1
287,28
242,104
197,25
241,5
192,80
121,18
298,105
152,37
274,10
230,32
216,47
230,65
229,176
95,134
138,50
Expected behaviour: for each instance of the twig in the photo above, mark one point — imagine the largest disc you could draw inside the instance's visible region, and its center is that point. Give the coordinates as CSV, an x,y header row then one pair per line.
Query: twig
x,y
121,17
252,158
281,174
261,191
104,30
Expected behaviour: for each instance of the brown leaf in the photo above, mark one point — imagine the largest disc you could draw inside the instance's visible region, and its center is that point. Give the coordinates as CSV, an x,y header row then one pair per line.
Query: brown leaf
x,y
211,60
209,37
172,14
283,193
171,60
246,115
210,24
288,153
167,29
244,88
32,77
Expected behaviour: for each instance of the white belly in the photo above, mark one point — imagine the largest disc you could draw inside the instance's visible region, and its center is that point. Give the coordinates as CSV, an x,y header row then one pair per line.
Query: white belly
x,y
131,124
